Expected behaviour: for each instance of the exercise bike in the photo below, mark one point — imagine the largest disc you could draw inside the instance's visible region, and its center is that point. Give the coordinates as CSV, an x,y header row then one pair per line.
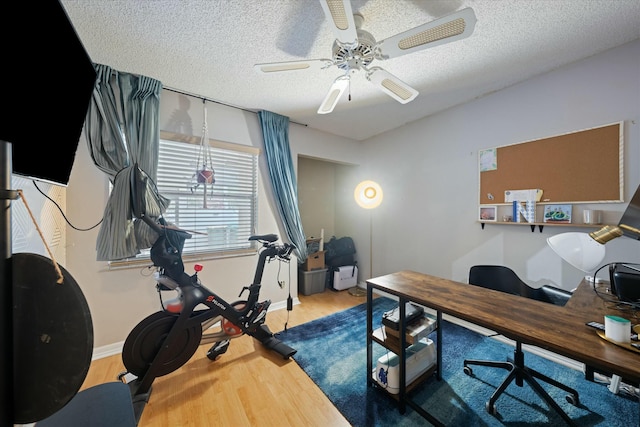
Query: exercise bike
x,y
167,339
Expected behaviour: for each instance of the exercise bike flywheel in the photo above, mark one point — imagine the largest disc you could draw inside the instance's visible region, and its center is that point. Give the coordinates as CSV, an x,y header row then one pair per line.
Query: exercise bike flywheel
x,y
148,337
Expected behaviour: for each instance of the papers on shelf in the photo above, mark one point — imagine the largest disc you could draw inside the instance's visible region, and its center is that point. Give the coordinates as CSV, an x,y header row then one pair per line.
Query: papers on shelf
x,y
534,194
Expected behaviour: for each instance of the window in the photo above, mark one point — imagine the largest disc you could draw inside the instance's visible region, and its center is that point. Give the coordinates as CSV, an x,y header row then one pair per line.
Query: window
x,y
222,218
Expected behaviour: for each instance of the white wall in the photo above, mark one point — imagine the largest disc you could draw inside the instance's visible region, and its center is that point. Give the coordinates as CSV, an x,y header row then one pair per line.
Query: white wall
x,y
316,196
119,299
429,172
25,237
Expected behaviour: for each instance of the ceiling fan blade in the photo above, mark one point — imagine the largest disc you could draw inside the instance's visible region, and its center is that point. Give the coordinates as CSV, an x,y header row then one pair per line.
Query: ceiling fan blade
x,y
391,85
340,17
338,87
309,64
455,26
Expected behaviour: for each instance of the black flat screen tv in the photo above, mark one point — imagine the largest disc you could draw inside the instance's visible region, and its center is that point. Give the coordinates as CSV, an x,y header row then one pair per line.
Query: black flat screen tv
x,y
46,81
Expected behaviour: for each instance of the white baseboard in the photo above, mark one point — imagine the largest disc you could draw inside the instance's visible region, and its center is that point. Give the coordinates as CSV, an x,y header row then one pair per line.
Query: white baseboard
x,y
116,348
107,350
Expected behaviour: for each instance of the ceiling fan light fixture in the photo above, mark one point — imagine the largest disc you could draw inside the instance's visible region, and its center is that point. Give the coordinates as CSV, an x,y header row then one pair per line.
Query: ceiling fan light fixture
x,y
338,87
391,85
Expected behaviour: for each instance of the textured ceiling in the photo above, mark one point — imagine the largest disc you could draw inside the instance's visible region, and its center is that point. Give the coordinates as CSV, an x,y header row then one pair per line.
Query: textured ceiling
x,y
209,48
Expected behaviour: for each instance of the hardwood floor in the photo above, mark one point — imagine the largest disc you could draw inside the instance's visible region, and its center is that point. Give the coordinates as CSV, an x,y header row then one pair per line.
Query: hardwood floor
x,y
247,386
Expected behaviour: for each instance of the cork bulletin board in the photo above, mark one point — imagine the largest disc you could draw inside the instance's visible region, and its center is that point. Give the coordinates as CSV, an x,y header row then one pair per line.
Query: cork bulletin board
x,y
579,167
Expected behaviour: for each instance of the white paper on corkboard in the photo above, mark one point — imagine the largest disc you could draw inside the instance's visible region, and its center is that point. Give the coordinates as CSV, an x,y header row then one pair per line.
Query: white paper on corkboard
x,y
523,195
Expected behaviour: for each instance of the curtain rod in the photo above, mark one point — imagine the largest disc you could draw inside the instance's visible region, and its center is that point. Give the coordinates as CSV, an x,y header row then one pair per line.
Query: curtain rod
x,y
219,102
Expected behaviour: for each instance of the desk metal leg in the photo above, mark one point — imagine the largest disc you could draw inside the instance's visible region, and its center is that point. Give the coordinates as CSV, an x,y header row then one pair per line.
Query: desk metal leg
x,y
369,332
402,371
589,373
439,346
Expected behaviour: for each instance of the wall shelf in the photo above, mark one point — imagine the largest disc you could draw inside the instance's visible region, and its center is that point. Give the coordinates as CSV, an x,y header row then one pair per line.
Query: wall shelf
x,y
540,225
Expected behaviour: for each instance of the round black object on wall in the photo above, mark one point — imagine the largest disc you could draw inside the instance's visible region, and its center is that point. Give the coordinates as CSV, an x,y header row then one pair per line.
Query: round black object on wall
x,y
52,338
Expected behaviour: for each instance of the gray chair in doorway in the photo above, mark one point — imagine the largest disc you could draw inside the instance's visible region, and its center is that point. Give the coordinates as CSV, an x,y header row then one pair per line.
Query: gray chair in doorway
x,y
501,278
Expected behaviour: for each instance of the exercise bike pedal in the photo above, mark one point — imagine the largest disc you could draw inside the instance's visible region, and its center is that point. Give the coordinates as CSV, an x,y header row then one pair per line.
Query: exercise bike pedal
x,y
260,312
217,349
126,377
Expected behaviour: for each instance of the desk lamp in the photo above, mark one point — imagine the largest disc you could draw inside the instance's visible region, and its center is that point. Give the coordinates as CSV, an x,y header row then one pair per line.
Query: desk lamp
x,y
586,251
368,195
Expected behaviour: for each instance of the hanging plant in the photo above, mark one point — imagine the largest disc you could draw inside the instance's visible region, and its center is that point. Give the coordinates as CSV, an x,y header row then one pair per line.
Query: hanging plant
x,y
204,174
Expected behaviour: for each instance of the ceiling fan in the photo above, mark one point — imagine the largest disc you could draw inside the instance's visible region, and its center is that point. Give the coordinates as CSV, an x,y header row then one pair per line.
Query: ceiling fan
x,y
355,49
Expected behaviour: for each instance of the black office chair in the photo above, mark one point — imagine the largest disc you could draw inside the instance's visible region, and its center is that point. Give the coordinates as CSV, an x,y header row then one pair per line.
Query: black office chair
x,y
504,279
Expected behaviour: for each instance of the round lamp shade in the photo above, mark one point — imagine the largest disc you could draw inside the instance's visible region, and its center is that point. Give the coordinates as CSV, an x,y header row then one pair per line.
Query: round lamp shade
x,y
578,249
368,194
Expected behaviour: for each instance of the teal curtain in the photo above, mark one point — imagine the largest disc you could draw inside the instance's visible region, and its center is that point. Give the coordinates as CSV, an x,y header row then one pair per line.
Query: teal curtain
x,y
275,132
122,131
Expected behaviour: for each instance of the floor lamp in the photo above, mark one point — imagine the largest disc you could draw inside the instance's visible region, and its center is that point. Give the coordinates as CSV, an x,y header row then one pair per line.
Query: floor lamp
x,y
368,195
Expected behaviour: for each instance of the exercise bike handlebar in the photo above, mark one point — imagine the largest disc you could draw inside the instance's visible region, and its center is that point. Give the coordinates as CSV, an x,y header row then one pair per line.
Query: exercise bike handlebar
x,y
270,251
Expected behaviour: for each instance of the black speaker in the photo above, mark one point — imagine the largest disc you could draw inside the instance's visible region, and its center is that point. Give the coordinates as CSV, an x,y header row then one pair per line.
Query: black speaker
x,y
625,281
46,82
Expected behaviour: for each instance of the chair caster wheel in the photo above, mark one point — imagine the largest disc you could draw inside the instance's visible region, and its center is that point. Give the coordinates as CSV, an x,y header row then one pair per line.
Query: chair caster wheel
x,y
491,409
573,399
217,349
467,370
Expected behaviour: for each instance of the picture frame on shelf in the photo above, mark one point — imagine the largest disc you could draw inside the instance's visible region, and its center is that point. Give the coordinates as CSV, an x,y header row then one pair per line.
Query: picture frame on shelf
x,y
557,214
488,213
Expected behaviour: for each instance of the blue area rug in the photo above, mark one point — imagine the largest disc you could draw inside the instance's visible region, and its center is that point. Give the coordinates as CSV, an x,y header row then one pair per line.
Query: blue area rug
x,y
332,351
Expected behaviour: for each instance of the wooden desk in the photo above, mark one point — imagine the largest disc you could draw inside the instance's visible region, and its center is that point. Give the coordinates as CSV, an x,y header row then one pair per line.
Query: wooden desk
x,y
560,329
